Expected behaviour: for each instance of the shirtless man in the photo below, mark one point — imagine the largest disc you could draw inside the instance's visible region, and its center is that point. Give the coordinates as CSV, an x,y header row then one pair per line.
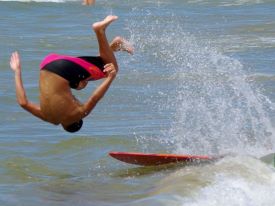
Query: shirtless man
x,y
60,73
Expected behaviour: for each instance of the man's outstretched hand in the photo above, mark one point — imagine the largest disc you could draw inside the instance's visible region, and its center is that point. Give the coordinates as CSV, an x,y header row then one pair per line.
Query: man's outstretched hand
x,y
15,62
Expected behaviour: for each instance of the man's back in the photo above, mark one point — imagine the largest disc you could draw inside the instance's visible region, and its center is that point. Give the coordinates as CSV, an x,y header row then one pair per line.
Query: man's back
x,y
56,100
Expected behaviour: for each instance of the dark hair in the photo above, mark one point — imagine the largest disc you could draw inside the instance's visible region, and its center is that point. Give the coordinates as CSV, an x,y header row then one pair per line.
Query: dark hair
x,y
74,127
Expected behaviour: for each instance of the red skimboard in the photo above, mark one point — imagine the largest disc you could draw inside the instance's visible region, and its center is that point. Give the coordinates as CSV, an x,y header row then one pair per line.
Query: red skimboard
x,y
156,159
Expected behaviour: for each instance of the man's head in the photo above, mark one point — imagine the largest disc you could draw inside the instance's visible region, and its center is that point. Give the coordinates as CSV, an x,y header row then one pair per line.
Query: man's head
x,y
74,127
82,84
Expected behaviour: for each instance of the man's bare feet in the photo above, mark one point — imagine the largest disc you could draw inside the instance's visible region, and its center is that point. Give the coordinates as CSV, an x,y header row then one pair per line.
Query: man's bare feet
x,y
121,44
101,25
88,2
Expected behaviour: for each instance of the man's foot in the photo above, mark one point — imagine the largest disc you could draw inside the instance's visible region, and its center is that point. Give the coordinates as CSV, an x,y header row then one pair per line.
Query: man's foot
x,y
101,25
120,44
88,2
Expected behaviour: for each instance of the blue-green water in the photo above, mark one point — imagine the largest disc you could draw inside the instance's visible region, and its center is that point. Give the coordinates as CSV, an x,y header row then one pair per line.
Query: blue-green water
x,y
202,81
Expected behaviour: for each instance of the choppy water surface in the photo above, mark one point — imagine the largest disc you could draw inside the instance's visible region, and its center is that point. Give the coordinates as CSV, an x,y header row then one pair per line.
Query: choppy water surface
x,y
201,82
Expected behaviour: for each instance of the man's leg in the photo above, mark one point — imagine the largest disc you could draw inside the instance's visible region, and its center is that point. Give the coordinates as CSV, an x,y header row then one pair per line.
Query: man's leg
x,y
105,51
88,2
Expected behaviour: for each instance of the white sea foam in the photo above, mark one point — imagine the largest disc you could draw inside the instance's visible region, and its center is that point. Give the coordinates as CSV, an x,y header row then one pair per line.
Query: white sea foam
x,y
250,184
239,180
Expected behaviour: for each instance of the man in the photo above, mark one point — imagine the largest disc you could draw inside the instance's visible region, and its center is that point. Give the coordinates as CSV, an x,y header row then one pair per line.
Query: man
x,y
60,73
88,2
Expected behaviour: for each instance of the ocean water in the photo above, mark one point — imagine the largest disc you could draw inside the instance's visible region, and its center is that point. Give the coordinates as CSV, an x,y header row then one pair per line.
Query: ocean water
x,y
201,81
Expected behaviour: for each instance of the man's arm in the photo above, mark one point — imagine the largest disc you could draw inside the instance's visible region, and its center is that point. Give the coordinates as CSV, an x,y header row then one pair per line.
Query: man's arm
x,y
100,91
20,91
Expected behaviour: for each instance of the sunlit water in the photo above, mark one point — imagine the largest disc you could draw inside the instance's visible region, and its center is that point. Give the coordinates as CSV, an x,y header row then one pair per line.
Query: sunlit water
x,y
201,82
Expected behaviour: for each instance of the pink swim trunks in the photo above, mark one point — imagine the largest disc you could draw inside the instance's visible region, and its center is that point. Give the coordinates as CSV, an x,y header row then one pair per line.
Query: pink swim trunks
x,y
74,69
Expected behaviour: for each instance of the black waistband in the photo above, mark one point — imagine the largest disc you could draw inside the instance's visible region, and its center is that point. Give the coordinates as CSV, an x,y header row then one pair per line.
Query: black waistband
x,y
70,71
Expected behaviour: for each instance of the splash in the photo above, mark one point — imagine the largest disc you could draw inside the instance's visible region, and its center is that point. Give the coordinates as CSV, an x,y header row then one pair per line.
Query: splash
x,y
216,109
